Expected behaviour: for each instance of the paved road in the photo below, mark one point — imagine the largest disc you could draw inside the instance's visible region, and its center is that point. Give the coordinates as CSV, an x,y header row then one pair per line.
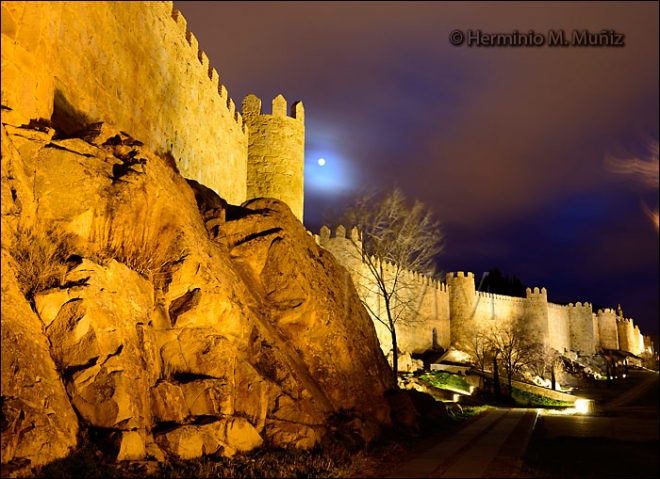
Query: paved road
x,y
492,445
489,447
629,423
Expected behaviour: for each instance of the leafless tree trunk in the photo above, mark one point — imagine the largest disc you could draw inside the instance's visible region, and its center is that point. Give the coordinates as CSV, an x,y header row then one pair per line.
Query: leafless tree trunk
x,y
514,347
394,241
478,350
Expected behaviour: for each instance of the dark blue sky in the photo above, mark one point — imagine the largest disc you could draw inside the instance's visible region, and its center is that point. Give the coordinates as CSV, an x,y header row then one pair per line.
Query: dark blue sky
x,y
509,146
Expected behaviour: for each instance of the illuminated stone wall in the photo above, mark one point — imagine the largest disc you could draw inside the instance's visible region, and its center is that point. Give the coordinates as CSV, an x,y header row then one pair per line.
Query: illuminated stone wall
x,y
462,305
276,152
607,329
536,314
628,339
450,313
559,336
581,328
426,323
135,65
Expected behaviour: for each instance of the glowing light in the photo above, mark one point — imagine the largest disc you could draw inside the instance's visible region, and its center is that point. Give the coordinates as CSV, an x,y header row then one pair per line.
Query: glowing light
x,y
328,173
584,405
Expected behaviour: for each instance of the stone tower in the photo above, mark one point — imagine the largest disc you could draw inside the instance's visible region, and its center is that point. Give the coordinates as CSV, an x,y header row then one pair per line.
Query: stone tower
x,y
462,303
580,320
536,316
607,328
276,152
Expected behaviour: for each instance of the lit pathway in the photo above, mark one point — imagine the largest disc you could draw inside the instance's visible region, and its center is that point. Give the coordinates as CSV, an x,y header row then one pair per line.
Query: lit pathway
x,y
489,447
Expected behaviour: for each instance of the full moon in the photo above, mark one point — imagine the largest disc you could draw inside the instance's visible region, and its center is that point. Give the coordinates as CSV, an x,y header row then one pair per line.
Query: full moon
x,y
321,161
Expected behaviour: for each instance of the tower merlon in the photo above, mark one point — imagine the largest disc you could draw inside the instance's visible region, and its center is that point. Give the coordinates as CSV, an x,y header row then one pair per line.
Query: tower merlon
x,y
203,59
355,234
298,111
213,76
279,106
192,41
179,20
251,105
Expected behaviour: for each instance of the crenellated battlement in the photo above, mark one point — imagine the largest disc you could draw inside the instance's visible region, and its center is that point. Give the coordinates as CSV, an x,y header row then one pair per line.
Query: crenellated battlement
x,y
500,297
537,294
570,327
461,274
150,78
347,245
558,306
252,106
214,79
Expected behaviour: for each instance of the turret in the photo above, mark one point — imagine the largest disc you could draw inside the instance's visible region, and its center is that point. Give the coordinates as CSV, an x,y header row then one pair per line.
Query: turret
x,y
607,328
276,152
462,302
580,320
536,315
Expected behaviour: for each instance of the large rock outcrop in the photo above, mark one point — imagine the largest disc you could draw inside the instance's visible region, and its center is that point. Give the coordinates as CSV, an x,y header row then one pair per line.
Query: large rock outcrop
x,y
141,303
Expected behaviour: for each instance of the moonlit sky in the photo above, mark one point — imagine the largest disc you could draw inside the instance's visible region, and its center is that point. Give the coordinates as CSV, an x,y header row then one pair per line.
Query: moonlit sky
x,y
507,145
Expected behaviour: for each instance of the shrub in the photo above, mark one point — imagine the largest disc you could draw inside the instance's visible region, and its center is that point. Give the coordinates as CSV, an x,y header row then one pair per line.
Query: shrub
x,y
43,259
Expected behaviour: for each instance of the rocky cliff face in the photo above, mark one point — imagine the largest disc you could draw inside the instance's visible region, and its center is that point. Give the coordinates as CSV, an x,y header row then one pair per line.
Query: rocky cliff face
x,y
143,305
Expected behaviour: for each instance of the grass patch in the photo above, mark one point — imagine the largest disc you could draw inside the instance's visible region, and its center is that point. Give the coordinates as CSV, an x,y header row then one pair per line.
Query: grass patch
x,y
524,398
42,256
445,380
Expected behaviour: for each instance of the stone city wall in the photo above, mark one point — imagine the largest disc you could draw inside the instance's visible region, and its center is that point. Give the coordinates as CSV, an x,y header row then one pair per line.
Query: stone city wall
x,y
448,314
558,327
133,65
423,302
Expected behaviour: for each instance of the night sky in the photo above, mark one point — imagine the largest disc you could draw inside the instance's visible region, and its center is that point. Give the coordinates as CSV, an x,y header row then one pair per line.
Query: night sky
x,y
512,147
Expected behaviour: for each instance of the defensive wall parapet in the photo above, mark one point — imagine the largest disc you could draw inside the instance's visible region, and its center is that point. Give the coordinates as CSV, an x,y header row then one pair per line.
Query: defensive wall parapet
x,y
450,313
133,65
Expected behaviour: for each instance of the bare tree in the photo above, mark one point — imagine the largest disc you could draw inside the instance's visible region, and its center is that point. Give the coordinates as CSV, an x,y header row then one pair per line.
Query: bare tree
x,y
547,362
479,348
395,240
514,347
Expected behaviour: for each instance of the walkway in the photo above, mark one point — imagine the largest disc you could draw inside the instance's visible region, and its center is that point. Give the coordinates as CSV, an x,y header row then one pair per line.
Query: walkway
x,y
491,446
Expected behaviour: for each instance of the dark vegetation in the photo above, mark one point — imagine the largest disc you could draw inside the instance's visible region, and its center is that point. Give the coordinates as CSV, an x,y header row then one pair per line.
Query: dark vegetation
x,y
340,455
498,283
